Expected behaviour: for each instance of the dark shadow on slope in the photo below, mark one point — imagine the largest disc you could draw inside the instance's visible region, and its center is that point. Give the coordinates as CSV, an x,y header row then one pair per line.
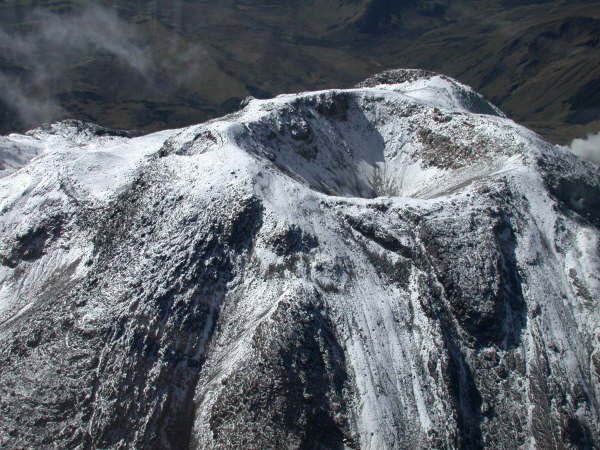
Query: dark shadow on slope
x,y
466,396
458,375
32,244
325,141
577,195
514,308
476,264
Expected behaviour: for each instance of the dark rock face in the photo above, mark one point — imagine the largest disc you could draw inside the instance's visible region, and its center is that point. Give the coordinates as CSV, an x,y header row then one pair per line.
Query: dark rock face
x,y
395,76
415,282
294,389
575,194
29,246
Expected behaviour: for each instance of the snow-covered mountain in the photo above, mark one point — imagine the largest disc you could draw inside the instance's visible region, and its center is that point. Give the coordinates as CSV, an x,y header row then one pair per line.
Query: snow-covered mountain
x,y
392,266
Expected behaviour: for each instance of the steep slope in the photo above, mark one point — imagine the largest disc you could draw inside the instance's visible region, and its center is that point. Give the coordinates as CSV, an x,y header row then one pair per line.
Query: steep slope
x,y
392,266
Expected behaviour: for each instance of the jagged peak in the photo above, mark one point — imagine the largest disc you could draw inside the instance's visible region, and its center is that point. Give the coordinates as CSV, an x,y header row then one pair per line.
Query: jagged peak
x,y
448,92
396,76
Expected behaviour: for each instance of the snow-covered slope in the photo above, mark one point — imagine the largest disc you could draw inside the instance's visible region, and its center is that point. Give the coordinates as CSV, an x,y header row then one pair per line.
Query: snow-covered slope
x,y
16,151
392,266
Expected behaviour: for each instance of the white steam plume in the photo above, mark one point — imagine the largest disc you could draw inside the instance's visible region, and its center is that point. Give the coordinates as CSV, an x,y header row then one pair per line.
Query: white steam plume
x,y
588,148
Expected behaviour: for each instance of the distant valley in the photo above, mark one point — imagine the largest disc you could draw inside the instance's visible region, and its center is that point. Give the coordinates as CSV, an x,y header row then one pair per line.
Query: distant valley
x,y
151,65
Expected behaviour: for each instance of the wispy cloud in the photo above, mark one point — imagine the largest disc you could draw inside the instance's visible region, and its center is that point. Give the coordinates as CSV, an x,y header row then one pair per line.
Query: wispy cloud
x,y
588,148
30,108
55,43
42,60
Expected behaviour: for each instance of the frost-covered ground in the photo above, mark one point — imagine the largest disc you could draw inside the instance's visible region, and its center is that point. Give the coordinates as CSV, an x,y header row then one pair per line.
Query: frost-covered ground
x,y
393,266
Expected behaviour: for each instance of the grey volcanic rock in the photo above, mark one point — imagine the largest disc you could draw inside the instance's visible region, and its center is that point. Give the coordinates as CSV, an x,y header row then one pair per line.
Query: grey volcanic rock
x,y
394,76
392,266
